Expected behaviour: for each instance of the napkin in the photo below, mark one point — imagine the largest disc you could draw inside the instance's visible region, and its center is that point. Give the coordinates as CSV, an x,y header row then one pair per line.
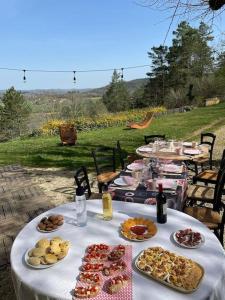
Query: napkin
x,y
128,180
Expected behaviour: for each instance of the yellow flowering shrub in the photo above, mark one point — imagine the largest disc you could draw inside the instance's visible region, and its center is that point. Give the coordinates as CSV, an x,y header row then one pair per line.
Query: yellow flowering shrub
x,y
103,121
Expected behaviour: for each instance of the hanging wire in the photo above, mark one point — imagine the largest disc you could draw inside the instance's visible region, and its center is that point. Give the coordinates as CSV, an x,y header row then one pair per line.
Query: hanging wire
x,y
77,71
74,77
24,76
171,22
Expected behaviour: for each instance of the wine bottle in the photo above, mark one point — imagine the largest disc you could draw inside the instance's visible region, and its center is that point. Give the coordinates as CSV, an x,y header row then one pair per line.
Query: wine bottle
x,y
107,204
161,206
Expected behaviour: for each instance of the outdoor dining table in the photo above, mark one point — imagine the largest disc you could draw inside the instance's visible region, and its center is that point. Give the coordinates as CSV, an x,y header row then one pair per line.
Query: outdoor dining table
x,y
138,193
187,153
58,281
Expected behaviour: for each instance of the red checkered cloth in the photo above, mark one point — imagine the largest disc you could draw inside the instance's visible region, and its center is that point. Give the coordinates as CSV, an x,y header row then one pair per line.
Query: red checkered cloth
x,y
126,292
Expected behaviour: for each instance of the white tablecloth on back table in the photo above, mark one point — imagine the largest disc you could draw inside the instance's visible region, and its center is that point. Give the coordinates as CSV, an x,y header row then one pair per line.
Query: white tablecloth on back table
x,y
58,281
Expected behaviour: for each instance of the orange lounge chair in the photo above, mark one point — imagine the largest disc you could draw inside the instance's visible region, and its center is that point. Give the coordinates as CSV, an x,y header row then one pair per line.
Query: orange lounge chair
x,y
144,124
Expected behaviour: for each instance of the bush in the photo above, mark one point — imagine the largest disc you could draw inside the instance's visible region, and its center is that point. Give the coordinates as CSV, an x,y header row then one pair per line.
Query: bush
x,y
103,121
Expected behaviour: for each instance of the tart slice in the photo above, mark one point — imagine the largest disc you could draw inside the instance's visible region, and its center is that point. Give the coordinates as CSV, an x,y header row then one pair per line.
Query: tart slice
x,y
95,257
114,267
92,267
86,292
117,283
117,253
90,278
102,248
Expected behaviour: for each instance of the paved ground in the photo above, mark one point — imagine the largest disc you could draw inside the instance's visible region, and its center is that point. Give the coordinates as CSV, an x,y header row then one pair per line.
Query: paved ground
x,y
26,192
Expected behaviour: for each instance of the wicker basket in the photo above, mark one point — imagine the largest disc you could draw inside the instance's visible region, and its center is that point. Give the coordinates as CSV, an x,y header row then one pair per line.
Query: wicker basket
x,y
68,134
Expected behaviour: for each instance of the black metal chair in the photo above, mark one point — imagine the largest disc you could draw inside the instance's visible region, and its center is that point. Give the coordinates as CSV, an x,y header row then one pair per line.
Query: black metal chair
x,y
154,137
209,176
105,165
124,157
210,216
81,179
207,139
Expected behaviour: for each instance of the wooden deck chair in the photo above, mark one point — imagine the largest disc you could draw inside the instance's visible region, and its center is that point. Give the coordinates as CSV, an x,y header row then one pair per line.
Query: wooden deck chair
x,y
144,124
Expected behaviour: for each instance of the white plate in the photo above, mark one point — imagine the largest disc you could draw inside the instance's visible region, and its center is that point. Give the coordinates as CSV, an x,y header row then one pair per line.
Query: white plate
x,y
187,144
40,267
144,149
44,231
119,181
189,247
192,151
135,167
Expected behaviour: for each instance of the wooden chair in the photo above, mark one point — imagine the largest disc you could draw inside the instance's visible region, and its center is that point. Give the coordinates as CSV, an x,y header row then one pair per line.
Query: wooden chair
x,y
208,176
81,179
125,158
203,193
207,139
105,165
211,216
154,137
144,124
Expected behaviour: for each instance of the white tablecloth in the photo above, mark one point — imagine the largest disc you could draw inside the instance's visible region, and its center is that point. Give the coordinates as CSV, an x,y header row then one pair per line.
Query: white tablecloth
x,y
58,281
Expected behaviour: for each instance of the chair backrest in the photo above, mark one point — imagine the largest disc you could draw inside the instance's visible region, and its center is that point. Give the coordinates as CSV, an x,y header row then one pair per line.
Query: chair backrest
x,y
104,159
208,139
81,179
219,187
122,154
222,158
154,137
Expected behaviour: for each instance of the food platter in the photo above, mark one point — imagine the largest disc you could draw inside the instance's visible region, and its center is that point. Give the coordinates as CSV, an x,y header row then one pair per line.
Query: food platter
x,y
39,267
188,238
191,280
50,223
47,253
138,229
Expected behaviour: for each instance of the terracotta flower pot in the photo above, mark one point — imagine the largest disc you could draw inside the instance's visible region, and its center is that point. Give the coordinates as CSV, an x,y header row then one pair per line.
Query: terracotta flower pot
x,y
68,134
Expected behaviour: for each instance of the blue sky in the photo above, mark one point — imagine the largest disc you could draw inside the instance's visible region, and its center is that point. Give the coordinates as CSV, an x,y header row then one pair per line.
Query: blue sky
x,y
78,34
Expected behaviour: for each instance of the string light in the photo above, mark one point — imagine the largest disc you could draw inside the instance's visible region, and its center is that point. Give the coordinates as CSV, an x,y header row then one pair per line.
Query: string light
x,y
121,73
24,76
69,71
74,77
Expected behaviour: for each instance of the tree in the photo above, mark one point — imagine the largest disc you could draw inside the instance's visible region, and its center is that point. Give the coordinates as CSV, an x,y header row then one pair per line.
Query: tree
x,y
14,113
190,55
155,88
116,98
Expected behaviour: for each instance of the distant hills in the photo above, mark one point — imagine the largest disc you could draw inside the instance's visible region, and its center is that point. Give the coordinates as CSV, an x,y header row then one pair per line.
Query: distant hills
x,y
132,85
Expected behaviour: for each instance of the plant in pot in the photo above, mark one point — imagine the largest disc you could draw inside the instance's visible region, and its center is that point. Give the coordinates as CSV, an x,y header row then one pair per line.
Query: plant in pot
x,y
68,133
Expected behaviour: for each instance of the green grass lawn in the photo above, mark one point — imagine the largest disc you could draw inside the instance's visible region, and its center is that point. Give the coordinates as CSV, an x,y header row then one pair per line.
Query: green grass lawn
x,y
47,151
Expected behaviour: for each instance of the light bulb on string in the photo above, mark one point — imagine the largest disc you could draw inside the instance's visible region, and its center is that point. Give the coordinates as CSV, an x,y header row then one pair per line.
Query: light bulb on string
x,y
24,76
121,76
74,77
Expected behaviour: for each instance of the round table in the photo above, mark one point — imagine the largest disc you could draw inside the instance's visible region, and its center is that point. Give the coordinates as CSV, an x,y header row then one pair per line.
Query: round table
x,y
172,155
58,281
